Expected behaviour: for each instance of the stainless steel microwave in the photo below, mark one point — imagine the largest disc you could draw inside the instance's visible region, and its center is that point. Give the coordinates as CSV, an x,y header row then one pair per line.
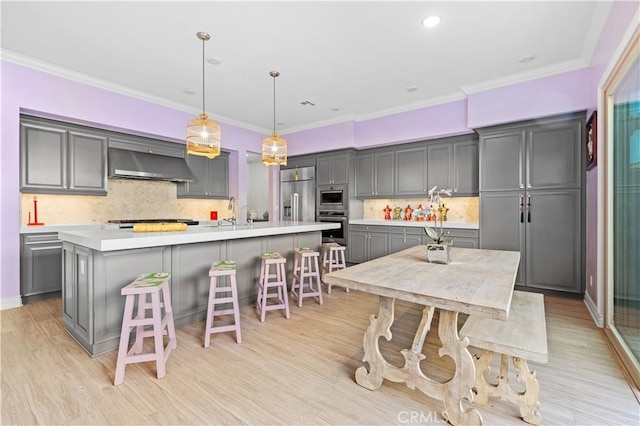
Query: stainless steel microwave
x,y
333,197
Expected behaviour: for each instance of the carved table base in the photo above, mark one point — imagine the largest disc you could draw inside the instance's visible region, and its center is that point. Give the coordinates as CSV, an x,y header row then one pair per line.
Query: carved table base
x,y
528,400
451,392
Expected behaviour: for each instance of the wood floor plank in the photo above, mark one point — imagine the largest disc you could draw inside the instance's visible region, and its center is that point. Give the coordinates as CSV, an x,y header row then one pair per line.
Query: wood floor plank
x,y
294,372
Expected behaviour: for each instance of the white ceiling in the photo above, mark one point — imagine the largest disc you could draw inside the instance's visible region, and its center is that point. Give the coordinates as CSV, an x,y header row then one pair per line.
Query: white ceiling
x,y
360,57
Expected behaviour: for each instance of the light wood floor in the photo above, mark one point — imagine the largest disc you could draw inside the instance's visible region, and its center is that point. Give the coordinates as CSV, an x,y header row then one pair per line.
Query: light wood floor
x,y
297,371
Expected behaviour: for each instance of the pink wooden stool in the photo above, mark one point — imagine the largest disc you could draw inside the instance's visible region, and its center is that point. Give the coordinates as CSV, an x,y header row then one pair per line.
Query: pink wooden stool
x,y
305,271
222,269
332,260
143,286
279,283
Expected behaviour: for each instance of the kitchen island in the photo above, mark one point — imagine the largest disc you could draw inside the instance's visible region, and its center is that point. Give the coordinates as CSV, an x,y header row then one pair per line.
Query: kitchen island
x,y
98,263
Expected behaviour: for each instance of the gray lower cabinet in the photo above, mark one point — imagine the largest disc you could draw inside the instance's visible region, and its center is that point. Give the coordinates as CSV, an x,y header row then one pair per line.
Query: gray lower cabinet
x,y
375,174
211,177
61,159
549,237
367,243
92,303
403,238
40,266
466,238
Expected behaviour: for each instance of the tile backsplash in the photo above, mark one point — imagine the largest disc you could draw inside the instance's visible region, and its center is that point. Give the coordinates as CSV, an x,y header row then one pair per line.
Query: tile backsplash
x,y
462,209
126,199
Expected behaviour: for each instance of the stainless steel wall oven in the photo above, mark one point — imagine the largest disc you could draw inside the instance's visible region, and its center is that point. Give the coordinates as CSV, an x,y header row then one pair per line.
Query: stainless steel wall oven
x,y
335,235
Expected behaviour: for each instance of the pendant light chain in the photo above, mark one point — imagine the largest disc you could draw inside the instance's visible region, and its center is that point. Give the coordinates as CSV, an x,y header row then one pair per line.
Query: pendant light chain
x,y
274,103
203,86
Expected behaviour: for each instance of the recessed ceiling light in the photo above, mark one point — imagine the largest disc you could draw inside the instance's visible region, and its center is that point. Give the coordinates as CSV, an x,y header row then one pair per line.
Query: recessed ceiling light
x,y
431,21
214,61
527,59
189,91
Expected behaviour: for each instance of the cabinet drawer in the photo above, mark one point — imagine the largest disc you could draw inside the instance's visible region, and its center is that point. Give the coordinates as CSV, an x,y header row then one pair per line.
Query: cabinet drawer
x,y
409,230
369,228
49,237
471,233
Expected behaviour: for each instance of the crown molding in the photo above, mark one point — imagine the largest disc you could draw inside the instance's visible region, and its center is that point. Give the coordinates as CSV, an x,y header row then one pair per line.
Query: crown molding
x,y
560,68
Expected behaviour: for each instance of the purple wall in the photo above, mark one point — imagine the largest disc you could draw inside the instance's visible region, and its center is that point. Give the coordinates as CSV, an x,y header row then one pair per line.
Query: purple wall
x,y
437,121
27,89
327,138
552,95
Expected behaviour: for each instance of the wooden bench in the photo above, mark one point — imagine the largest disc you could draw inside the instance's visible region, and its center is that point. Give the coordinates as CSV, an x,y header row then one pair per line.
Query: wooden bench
x,y
522,337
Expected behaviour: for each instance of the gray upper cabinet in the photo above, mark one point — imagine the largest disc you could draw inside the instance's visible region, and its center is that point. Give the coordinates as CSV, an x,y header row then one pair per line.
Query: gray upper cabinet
x,y
543,156
411,171
299,161
332,169
450,163
502,159
466,168
211,177
56,158
87,162
453,165
440,166
375,174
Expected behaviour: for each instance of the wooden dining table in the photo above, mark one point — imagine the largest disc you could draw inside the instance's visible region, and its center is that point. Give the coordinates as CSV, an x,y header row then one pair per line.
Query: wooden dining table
x,y
476,282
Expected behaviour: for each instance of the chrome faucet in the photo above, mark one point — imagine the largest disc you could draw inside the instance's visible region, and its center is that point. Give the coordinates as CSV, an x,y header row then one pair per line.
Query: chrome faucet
x,y
232,206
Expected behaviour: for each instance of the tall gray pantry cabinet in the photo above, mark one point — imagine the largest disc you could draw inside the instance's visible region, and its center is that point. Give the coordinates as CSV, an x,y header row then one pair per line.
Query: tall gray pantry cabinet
x,y
531,199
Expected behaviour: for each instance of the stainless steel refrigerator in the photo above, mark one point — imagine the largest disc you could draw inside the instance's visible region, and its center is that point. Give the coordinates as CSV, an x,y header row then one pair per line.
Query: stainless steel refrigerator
x,y
298,194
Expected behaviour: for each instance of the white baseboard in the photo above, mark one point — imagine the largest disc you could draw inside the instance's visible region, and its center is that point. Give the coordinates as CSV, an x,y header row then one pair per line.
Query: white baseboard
x,y
10,302
593,310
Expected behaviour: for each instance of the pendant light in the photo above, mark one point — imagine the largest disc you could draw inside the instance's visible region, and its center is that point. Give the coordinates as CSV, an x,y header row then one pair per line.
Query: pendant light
x,y
203,135
274,148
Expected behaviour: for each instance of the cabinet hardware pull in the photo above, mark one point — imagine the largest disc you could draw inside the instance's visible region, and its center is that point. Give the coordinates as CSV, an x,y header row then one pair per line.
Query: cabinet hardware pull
x,y
529,208
521,208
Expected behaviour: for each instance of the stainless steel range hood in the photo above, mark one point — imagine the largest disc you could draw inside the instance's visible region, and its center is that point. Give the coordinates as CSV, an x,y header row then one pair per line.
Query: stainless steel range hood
x,y
142,165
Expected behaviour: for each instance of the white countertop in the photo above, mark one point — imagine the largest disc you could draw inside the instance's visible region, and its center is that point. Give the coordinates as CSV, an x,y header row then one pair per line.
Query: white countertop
x,y
66,227
408,223
123,239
